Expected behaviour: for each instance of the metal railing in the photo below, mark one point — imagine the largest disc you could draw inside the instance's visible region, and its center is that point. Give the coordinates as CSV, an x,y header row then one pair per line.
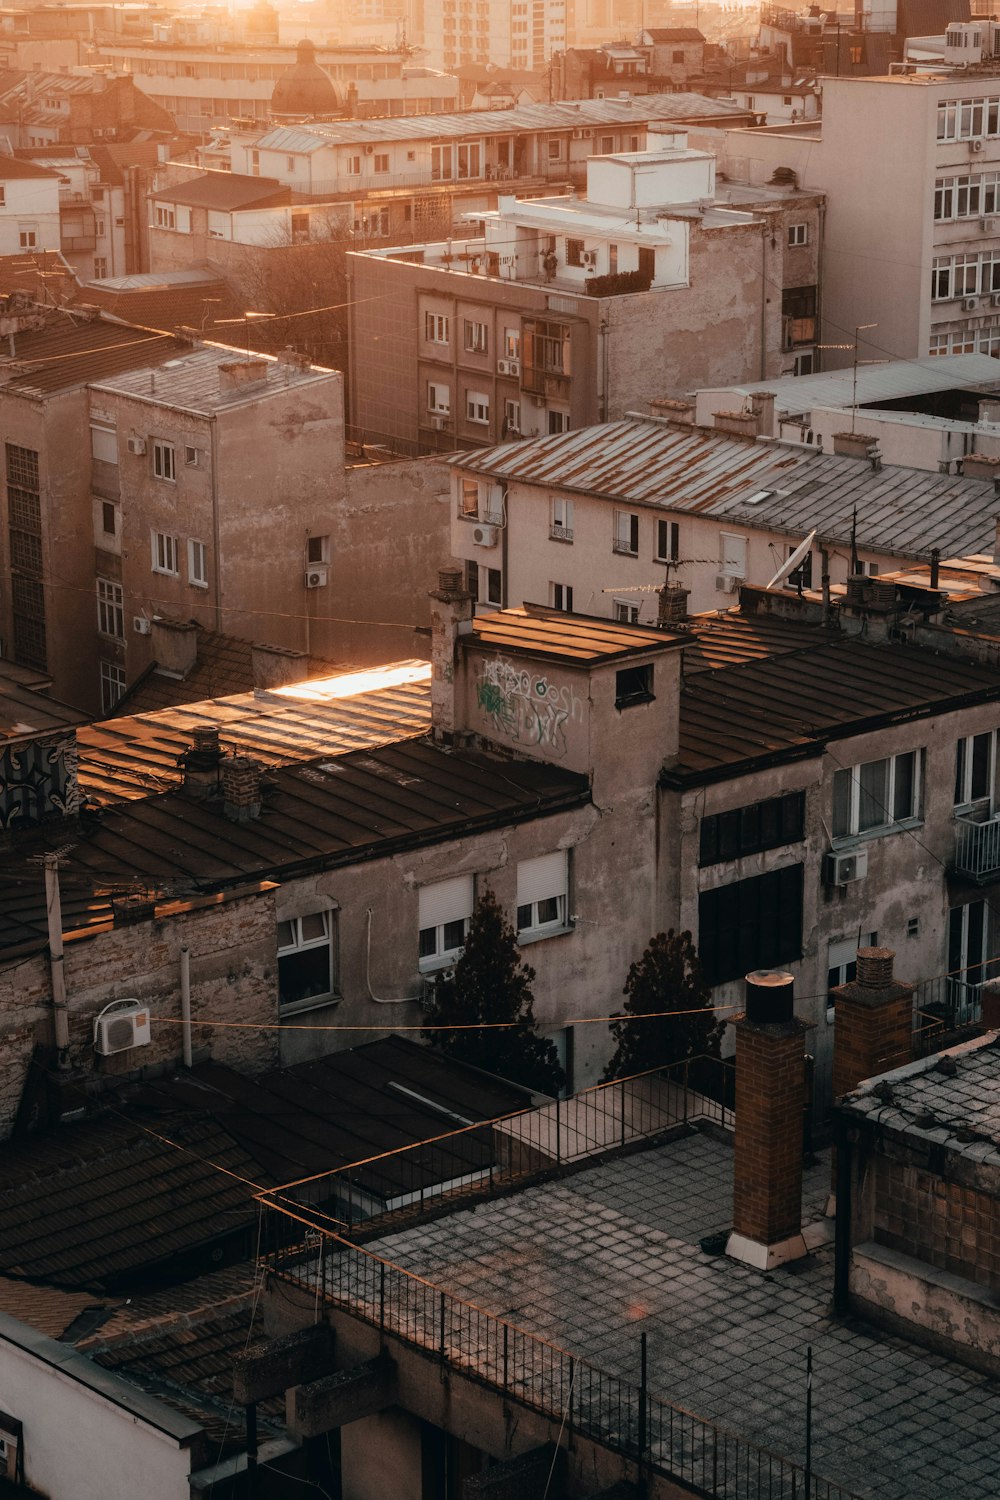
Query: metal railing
x,y
953,1000
491,1156
977,846
619,1414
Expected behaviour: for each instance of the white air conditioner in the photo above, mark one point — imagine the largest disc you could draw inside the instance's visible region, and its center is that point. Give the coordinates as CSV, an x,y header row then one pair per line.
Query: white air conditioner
x,y
485,536
728,583
508,367
437,420
995,300
315,578
122,1025
430,981
842,869
975,147
141,625
137,446
988,225
589,258
969,304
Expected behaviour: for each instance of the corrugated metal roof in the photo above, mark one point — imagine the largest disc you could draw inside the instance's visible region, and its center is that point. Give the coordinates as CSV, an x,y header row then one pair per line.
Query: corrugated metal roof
x,y
227,192
523,117
648,462
535,630
893,381
70,352
191,379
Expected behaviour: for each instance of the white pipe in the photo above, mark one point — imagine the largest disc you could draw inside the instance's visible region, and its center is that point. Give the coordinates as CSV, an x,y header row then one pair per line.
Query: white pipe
x,y
186,1003
379,1000
53,909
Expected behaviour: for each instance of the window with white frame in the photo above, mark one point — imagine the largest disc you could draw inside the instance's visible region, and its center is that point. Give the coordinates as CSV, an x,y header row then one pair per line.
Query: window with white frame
x,y
438,398
306,959
556,422
191,456
436,328
164,460
103,443
626,611
165,216
164,547
542,896
112,685
511,417
874,797
561,519
668,541
625,539
354,166
100,267
477,407
469,498
561,596
318,549
475,336
444,911
110,608
27,236
512,343
381,161
197,563
798,234
975,770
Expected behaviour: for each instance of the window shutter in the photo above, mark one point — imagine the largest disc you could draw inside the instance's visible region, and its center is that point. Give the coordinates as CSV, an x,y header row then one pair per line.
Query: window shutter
x,y
538,879
446,901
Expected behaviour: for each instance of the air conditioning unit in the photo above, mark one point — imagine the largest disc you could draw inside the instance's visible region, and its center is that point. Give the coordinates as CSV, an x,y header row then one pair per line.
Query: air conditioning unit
x,y
508,367
122,1025
842,869
988,226
430,981
137,446
728,583
969,304
438,419
141,625
315,578
995,300
590,258
485,536
975,147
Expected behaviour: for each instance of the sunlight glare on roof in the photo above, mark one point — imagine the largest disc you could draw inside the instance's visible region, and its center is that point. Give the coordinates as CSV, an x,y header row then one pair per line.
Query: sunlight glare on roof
x,y
352,684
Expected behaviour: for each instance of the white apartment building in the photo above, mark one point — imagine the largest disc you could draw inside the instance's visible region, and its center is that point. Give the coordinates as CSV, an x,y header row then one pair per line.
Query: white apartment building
x,y
910,165
29,206
519,34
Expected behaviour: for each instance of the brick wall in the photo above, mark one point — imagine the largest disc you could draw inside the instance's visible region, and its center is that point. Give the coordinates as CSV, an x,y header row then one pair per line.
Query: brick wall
x,y
870,1040
770,1093
956,1229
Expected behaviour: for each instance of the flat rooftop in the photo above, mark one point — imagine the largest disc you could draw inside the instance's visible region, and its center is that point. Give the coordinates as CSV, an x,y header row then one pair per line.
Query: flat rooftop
x,y
593,1260
573,640
189,381
895,380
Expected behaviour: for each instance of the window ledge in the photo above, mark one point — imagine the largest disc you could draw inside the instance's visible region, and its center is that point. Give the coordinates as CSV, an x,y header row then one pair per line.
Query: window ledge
x,y
427,967
539,934
311,1002
634,700
849,840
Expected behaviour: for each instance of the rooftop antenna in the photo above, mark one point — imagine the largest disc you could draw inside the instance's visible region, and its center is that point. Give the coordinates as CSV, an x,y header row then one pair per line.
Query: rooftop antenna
x,y
855,565
859,329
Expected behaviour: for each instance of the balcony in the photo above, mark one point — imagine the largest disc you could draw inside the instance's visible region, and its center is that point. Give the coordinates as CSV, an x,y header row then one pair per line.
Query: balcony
x,y
947,1003
561,533
977,846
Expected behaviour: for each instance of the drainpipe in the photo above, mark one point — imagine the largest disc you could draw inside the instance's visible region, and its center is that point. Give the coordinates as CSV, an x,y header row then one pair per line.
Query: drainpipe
x,y
763,299
216,525
53,908
842,1237
604,328
186,1003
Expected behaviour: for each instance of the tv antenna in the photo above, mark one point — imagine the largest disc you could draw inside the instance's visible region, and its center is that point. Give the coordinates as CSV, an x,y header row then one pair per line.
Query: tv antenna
x,y
859,329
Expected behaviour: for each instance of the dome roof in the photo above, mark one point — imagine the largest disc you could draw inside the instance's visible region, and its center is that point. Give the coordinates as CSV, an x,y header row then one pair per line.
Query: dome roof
x,y
305,89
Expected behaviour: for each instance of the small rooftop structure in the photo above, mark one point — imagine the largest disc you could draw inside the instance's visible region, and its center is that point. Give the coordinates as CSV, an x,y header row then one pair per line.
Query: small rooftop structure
x,y
536,630
305,88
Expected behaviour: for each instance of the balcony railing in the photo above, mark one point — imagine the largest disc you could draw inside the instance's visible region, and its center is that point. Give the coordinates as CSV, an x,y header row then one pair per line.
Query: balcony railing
x,y
977,847
954,999
561,533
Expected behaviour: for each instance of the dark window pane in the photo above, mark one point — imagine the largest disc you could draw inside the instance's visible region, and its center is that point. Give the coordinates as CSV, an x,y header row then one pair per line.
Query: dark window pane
x,y
708,852
302,975
454,934
981,765
427,946
729,835
523,917
903,797
750,825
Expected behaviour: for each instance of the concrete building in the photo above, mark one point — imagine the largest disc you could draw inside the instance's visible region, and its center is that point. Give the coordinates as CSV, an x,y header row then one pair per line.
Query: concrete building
x,y
29,206
512,34
565,312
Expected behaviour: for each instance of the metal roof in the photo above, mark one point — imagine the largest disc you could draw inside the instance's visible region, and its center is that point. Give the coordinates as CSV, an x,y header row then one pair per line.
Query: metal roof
x,y
569,115
765,485
191,379
70,351
25,712
226,192
893,381
134,756
571,639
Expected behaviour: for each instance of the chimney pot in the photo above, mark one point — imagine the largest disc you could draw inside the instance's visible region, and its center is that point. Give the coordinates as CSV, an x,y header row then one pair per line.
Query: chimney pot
x,y
206,737
874,967
450,582
770,997
672,601
241,788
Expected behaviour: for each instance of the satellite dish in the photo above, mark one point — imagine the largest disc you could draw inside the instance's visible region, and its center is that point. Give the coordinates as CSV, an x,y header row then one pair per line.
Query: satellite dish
x,y
793,561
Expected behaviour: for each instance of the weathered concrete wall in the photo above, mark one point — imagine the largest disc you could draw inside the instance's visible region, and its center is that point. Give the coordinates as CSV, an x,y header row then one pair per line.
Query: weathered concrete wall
x,y
937,1308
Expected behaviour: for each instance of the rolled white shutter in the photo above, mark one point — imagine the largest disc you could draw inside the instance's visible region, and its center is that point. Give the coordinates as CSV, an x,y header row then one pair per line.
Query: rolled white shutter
x,y
446,901
538,879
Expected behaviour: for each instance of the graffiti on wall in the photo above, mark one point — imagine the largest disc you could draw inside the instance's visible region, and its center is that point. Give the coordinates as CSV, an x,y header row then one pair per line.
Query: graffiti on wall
x,y
37,780
526,707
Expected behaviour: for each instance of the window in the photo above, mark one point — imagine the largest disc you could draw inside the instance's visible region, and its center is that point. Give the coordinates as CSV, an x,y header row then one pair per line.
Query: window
x,y
941,278
109,518
27,593
164,553
732,555
477,407
542,896
975,769
103,444
798,234
317,549
354,166
555,150
27,236
751,924
381,160
511,417
475,337
197,564
110,609
494,586
607,144
803,574
626,533
668,541
561,519
112,685
798,315
873,797
634,685
561,595
444,912
472,580
625,611
165,216
3,197
436,328
305,959
556,422
574,252
677,57
546,347
752,829
802,364
100,267
842,964
190,456
164,460
512,343
438,398
469,499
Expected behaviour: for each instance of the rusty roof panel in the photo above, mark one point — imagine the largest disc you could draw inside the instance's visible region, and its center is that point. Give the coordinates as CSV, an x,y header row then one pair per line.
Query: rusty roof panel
x,y
572,639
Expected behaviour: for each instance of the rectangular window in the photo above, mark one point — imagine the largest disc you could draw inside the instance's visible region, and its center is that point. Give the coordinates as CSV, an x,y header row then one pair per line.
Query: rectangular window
x,y
354,166
555,150
27,593
634,685
975,769
438,398
109,518
941,278
381,160
494,586
436,328
751,924
103,444
100,267
511,418
444,912
556,422
512,343
876,796
27,236
317,549
164,553
798,234
574,252
561,596
477,408
164,460
110,609
626,611
561,519
166,218
306,969
626,533
191,456
197,564
752,829
475,337
469,499
542,896
112,685
668,541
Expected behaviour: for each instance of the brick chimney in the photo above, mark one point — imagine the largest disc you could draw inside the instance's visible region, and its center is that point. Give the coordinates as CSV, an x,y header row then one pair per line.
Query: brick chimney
x,y
762,405
201,763
737,424
241,788
671,606
174,645
873,1029
274,666
978,466
241,375
451,616
770,1099
855,444
678,413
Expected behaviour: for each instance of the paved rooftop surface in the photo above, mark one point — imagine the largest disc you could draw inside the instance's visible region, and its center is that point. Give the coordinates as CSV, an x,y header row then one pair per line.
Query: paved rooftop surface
x,y
593,1260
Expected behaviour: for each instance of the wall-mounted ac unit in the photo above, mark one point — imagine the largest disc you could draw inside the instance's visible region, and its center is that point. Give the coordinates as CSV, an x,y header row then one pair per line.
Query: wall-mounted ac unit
x,y
121,1026
485,536
141,625
995,300
508,367
315,578
969,304
437,420
589,257
975,147
842,869
137,446
728,583
988,225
